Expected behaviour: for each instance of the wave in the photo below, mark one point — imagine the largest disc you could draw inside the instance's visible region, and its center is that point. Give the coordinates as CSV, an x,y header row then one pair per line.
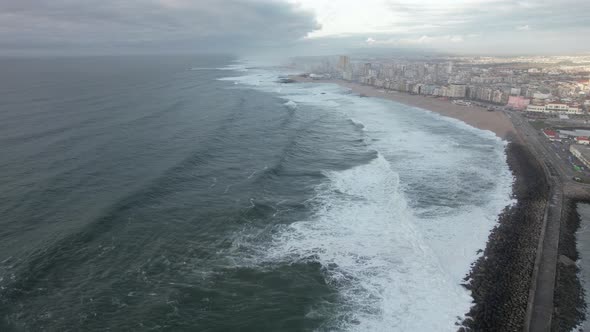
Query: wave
x,y
386,234
291,105
234,67
357,124
364,236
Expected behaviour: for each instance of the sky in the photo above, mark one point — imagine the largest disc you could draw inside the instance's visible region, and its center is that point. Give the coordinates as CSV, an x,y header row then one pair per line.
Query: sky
x,y
300,26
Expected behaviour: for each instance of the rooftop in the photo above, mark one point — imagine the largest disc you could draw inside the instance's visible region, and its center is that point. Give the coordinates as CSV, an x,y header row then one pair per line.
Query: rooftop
x,y
549,132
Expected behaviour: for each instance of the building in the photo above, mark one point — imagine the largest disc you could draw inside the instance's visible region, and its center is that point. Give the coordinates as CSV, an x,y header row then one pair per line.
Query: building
x,y
343,62
537,109
558,107
347,75
518,102
582,153
551,135
555,108
575,133
345,68
450,67
367,69
575,110
541,96
457,91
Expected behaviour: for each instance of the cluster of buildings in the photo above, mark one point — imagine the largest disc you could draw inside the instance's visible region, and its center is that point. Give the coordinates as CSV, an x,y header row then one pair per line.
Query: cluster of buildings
x,y
548,85
581,147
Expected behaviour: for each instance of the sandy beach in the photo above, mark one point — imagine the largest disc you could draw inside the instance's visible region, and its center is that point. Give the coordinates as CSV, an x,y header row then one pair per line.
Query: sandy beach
x,y
497,122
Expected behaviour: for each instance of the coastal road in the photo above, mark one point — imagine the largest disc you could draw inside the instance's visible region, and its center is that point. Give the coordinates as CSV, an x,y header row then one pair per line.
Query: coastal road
x,y
540,307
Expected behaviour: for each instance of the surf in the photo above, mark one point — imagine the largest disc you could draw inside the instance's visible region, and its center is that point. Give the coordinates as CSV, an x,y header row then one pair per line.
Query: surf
x,y
396,235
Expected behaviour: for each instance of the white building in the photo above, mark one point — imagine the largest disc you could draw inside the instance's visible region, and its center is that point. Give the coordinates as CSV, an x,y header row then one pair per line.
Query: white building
x,y
558,107
537,109
457,91
555,108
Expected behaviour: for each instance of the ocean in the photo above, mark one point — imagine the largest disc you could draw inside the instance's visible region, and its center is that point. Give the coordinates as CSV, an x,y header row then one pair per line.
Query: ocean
x,y
196,193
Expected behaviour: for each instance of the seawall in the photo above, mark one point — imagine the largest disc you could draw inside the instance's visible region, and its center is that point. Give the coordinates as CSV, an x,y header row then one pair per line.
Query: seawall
x,y
500,280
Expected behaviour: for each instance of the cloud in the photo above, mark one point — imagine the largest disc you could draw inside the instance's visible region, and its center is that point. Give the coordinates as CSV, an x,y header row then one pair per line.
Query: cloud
x,y
371,41
477,26
241,25
198,25
491,15
523,27
423,40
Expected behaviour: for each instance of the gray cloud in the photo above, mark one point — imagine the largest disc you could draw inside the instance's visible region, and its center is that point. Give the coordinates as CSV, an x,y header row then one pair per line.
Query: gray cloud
x,y
491,26
106,26
197,25
495,14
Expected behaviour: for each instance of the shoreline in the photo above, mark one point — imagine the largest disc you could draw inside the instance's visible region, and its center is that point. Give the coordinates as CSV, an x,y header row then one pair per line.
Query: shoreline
x,y
478,117
500,299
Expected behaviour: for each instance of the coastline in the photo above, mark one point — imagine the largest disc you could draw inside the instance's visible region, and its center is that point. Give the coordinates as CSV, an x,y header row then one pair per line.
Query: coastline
x,y
500,299
497,121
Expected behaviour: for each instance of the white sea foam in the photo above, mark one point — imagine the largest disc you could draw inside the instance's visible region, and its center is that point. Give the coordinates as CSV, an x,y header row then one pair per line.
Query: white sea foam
x,y
365,235
398,261
291,105
234,67
357,123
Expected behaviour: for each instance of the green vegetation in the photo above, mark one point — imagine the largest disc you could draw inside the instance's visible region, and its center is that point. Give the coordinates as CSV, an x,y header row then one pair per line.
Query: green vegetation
x,y
538,124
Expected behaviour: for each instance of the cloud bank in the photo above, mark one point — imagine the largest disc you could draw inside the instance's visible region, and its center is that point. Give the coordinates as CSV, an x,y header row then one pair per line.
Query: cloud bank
x,y
475,26
293,26
157,25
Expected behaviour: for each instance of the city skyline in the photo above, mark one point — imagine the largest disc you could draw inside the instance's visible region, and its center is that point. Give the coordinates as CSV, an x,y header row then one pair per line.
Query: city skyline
x,y
547,85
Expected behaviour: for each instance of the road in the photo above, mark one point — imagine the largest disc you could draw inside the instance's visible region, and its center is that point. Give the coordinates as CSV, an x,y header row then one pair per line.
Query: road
x,y
560,176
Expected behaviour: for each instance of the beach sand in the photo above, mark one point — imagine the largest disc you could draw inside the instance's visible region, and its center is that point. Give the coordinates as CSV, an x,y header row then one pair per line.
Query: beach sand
x,y
479,117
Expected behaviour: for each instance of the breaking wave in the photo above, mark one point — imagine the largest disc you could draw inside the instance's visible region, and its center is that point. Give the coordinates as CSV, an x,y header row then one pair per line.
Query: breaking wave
x,y
396,235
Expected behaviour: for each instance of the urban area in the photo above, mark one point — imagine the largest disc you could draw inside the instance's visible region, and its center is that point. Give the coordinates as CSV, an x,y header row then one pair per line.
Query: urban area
x,y
551,92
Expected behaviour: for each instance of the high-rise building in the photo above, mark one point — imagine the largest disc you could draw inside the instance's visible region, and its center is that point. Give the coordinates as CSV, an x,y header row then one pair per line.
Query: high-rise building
x,y
435,73
457,91
343,62
367,69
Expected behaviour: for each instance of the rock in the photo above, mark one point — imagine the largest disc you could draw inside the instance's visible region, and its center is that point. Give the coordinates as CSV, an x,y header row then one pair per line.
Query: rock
x,y
500,280
566,260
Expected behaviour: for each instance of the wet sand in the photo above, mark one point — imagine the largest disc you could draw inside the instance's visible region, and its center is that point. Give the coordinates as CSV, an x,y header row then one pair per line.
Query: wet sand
x,y
479,117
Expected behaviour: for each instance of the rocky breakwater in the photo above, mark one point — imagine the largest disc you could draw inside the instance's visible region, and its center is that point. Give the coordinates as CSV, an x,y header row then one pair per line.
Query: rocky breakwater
x,y
568,298
501,278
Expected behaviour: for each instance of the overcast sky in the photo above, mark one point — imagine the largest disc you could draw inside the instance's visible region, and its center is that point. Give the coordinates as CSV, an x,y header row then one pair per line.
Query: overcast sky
x,y
328,26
